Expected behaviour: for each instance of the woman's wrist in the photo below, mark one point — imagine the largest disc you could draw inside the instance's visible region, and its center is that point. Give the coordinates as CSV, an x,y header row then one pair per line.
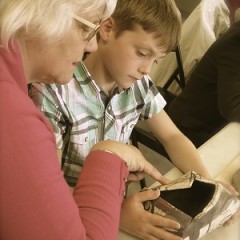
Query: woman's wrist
x,y
110,147
114,153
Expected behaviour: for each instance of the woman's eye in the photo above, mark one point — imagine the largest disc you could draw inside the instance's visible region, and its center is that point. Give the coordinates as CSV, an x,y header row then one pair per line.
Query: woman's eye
x,y
83,27
86,29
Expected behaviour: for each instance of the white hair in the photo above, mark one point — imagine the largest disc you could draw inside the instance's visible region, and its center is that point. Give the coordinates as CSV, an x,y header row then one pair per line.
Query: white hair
x,y
49,19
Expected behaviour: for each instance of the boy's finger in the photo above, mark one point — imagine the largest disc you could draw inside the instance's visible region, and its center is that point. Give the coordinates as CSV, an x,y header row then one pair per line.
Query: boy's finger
x,y
148,195
155,174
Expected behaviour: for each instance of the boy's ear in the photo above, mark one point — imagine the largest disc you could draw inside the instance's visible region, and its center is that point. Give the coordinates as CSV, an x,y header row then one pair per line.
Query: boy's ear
x,y
106,28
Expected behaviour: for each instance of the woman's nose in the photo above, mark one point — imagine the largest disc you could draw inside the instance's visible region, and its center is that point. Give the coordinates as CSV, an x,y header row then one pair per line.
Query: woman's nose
x,y
91,45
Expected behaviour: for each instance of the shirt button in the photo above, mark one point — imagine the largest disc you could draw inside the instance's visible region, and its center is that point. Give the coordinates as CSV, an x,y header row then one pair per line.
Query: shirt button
x,y
126,164
109,108
125,179
124,194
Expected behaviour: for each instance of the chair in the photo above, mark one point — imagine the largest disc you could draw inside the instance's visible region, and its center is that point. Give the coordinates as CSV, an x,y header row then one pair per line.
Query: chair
x,y
177,77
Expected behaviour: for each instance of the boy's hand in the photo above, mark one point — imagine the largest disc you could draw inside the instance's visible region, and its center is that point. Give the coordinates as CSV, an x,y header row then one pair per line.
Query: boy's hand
x,y
233,219
229,187
236,216
143,224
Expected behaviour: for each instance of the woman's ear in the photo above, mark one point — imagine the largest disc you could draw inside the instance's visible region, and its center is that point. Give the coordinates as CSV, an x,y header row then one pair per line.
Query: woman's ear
x,y
106,29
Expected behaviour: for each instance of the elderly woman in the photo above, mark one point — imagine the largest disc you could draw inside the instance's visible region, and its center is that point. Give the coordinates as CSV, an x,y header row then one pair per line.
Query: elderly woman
x,y
41,41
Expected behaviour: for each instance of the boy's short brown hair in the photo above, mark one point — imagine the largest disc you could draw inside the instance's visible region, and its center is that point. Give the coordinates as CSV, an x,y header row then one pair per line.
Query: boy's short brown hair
x,y
160,17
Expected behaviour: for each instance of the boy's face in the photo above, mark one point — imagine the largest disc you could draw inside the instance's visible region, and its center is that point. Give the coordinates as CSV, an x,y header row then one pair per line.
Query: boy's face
x,y
129,56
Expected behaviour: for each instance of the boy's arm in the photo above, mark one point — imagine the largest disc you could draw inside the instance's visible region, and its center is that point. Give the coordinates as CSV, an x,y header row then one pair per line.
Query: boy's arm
x,y
59,155
180,149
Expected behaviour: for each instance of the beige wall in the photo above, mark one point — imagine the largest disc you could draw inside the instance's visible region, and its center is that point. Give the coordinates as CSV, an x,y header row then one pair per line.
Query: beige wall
x,y
186,6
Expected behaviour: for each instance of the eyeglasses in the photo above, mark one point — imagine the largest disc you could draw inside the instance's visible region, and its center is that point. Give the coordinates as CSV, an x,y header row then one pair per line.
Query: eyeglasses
x,y
94,27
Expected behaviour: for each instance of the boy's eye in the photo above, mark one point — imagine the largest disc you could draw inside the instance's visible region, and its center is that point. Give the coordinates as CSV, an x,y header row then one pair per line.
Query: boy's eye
x,y
141,54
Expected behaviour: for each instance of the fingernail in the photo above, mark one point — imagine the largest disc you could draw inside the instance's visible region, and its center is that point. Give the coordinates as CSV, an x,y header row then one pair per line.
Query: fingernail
x,y
178,226
157,191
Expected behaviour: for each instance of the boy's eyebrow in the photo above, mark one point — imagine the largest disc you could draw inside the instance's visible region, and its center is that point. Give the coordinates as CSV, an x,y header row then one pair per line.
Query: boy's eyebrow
x,y
155,52
152,50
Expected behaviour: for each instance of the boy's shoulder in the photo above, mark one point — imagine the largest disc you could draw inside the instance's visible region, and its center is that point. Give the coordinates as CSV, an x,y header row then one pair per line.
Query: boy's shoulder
x,y
145,85
145,82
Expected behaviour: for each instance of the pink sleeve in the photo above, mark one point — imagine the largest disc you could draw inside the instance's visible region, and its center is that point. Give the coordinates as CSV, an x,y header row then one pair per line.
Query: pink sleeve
x,y
35,201
99,194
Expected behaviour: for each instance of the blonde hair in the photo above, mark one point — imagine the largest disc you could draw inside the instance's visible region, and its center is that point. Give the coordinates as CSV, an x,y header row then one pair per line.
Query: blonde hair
x,y
160,17
49,19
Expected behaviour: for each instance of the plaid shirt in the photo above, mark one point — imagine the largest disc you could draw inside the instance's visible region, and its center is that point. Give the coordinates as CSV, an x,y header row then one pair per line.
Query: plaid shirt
x,y
82,114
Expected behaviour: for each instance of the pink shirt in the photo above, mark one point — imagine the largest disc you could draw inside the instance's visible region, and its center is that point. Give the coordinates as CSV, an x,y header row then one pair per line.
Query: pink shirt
x,y
35,202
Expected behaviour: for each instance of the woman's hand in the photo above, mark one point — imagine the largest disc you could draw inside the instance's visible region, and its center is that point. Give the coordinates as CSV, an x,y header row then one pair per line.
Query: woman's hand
x,y
138,166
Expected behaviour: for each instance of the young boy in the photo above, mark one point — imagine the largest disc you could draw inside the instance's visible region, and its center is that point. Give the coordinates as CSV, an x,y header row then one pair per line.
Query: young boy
x,y
111,91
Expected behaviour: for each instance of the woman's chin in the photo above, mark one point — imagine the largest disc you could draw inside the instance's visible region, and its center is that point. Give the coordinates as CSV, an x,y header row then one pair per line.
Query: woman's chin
x,y
62,78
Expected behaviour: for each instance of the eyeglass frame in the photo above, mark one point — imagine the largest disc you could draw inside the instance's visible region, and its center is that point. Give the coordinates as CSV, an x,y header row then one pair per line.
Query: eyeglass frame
x,y
95,27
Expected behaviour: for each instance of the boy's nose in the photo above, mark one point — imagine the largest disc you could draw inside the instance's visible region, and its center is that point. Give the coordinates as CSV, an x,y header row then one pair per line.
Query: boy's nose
x,y
146,67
